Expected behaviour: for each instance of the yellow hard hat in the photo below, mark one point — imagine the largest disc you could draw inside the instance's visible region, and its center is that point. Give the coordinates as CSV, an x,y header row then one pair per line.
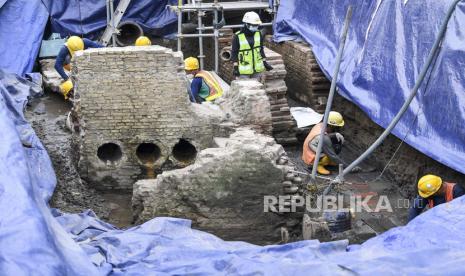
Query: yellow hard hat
x,y
428,185
143,41
66,87
191,63
335,119
74,43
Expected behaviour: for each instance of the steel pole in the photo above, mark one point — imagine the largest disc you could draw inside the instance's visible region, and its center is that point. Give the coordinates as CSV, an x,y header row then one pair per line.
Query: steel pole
x,y
332,90
199,22
405,106
112,11
216,32
179,29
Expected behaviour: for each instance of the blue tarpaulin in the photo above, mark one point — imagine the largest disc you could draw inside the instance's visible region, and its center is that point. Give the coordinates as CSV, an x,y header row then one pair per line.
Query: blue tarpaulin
x,y
387,45
22,24
36,240
88,17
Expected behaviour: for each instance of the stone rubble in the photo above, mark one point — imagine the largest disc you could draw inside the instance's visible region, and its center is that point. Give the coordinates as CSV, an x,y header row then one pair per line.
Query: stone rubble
x,y
223,191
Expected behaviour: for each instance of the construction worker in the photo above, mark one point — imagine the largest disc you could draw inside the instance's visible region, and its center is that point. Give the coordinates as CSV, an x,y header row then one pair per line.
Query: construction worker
x,y
332,145
143,41
247,51
433,191
63,59
204,86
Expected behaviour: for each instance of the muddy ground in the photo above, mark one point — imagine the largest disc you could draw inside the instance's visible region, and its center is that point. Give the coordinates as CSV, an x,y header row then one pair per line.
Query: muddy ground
x,y
47,116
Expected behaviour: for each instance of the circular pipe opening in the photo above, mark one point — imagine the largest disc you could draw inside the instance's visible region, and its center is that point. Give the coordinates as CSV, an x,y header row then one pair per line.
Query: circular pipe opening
x,y
148,153
184,151
225,54
128,33
109,152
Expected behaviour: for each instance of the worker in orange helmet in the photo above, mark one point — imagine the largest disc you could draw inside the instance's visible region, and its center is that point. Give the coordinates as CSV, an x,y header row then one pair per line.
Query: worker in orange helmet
x,y
432,191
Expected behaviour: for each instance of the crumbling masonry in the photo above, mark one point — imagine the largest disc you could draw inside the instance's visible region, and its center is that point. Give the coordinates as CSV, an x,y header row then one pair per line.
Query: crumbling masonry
x,y
135,115
136,119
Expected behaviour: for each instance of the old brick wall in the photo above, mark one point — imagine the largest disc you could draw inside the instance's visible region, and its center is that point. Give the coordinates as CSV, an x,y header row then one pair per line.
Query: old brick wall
x,y
132,96
408,164
283,123
306,83
304,80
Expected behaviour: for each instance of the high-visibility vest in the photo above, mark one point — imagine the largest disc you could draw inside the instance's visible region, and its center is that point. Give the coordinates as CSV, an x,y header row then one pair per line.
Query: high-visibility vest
x,y
449,194
250,59
211,89
308,155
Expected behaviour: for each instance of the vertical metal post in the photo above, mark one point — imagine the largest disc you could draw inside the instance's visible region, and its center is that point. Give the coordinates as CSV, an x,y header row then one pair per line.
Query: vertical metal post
x,y
332,89
413,92
112,11
107,2
217,34
199,21
108,14
179,29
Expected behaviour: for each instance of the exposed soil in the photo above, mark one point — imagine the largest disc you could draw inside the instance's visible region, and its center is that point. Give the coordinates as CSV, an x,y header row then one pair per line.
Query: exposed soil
x,y
47,116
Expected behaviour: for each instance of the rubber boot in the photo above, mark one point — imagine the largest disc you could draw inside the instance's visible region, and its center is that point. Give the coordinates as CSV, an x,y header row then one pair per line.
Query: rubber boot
x,y
324,161
327,161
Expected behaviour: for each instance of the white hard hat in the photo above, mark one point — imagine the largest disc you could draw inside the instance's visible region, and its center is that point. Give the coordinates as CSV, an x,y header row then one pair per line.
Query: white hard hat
x,y
251,18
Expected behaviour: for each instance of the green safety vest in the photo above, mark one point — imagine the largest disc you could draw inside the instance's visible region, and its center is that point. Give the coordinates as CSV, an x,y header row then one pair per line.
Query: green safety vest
x,y
250,59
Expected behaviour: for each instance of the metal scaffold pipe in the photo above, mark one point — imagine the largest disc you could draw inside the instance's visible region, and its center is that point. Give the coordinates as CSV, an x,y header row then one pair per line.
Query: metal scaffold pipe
x,y
179,25
216,32
332,90
200,25
405,106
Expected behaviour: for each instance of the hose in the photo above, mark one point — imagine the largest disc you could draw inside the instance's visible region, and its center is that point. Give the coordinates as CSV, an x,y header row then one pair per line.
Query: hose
x,y
332,90
405,106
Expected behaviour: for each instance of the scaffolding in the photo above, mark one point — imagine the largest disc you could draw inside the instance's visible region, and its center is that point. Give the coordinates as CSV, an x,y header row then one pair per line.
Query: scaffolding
x,y
216,8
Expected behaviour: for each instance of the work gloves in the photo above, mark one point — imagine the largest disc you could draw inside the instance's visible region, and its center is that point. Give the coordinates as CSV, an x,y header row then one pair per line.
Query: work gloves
x,y
267,66
236,71
339,138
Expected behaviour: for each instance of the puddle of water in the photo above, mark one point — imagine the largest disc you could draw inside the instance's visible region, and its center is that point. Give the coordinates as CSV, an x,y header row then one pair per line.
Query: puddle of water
x,y
55,105
120,208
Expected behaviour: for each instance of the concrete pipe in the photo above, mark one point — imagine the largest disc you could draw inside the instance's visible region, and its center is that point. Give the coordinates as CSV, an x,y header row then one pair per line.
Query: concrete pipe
x,y
225,54
128,33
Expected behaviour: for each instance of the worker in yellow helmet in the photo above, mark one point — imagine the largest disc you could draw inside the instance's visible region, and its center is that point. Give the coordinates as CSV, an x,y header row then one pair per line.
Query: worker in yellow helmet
x,y
247,52
433,191
143,41
204,86
332,145
63,59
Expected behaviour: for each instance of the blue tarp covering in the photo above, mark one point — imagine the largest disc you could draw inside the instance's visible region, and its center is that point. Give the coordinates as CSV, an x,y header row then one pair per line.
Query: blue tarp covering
x,y
35,240
22,24
387,45
88,17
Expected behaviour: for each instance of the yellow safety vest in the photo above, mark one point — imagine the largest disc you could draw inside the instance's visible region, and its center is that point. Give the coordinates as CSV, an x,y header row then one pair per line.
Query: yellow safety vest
x,y
250,59
214,88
